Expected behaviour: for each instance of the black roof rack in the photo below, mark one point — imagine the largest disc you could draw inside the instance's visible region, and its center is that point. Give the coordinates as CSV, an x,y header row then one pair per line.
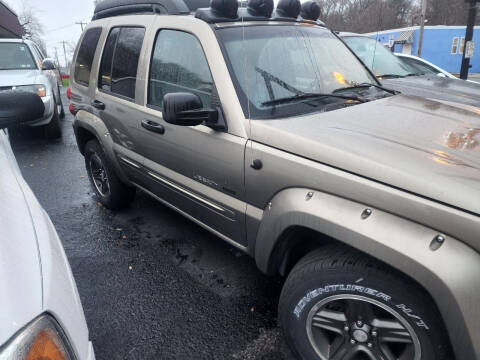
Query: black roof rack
x,y
108,8
214,11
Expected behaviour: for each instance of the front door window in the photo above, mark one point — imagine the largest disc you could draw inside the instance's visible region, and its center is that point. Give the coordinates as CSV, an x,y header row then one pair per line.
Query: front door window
x,y
179,65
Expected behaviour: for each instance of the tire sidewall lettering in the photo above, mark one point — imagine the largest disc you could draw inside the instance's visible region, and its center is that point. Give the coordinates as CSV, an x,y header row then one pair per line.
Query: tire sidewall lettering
x,y
357,289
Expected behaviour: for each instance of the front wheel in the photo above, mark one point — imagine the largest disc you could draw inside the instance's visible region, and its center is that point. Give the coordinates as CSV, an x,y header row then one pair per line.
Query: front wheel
x,y
60,109
53,129
342,305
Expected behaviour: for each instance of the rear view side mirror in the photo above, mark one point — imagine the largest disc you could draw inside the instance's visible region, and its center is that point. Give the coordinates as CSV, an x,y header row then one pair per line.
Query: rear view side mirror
x,y
186,109
441,75
48,64
18,107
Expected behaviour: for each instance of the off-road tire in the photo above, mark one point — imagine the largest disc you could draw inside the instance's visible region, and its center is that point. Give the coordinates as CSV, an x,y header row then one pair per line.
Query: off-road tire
x,y
119,195
332,272
53,129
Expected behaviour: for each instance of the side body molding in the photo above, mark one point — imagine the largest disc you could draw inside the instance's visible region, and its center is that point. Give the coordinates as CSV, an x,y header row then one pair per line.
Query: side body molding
x,y
449,274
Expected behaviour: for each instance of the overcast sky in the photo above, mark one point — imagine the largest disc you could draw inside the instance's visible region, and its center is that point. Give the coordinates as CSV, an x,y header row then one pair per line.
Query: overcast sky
x,y
58,18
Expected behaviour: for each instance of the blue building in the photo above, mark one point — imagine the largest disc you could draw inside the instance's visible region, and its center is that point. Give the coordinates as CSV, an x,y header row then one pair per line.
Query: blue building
x,y
442,45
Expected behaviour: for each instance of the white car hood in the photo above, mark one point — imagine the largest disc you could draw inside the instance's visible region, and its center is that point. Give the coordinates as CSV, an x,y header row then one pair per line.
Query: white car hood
x,y
35,276
18,77
20,268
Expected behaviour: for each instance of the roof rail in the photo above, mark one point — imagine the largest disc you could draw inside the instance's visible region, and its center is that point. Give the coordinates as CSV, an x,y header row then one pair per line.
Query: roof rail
x,y
108,8
214,11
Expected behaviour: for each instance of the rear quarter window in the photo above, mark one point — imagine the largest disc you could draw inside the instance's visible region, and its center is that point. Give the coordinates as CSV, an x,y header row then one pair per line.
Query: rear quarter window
x,y
105,75
86,52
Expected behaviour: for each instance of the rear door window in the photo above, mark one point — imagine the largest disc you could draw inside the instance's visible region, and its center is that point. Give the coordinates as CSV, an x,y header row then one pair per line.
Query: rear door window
x,y
118,70
83,64
105,75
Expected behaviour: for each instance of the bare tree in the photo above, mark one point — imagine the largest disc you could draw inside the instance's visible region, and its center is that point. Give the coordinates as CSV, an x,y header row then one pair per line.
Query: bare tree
x,y
366,15
448,12
32,27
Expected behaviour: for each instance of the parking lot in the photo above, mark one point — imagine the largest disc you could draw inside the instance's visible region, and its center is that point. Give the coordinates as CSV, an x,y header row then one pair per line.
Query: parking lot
x,y
152,283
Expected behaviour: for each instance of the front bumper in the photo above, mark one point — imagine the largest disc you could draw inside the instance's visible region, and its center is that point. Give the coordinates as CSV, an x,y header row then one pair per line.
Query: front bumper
x,y
49,103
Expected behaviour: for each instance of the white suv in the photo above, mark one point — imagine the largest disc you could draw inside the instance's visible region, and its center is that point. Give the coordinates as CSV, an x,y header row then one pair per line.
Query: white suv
x,y
23,66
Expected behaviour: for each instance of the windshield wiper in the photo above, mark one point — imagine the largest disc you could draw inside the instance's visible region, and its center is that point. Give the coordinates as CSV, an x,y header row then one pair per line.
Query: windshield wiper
x,y
391,76
396,76
366,85
306,96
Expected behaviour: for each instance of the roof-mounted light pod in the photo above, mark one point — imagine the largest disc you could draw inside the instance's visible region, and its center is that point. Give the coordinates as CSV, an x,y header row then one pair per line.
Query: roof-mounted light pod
x,y
287,10
219,10
258,9
226,8
310,10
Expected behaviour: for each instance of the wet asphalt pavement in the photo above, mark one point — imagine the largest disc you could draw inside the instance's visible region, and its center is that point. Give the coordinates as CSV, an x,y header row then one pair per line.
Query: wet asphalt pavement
x,y
153,284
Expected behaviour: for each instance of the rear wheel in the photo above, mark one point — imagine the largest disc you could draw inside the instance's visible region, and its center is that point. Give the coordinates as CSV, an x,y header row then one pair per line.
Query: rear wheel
x,y
342,305
108,187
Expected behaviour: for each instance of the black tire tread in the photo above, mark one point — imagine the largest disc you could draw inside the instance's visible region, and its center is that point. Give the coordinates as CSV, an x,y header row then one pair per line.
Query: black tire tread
x,y
62,112
336,258
53,129
120,195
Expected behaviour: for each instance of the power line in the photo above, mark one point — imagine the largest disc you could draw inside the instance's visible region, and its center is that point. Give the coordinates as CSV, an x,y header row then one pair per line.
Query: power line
x,y
81,23
60,28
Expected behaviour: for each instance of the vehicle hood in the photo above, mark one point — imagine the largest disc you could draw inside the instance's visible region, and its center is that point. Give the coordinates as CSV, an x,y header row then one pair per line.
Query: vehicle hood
x,y
20,271
436,87
426,147
18,77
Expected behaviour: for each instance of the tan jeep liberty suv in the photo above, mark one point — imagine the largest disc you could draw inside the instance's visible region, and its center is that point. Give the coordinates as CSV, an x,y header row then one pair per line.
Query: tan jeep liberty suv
x,y
262,126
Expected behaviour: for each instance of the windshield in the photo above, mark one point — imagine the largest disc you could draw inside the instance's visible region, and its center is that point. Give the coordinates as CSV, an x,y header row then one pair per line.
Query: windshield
x,y
276,62
378,58
16,56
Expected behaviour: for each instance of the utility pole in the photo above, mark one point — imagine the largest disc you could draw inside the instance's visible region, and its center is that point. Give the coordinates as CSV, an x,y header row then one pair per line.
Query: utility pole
x,y
65,54
422,26
469,45
81,23
56,58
